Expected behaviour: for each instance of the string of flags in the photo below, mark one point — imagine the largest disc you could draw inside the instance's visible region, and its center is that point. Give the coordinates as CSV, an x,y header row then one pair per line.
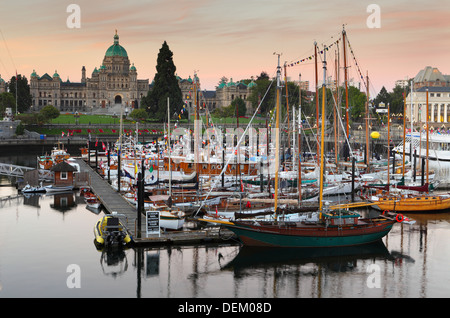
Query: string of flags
x,y
356,63
312,56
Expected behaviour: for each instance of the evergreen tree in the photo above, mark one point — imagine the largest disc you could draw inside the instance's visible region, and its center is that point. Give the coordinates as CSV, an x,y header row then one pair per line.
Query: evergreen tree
x,y
165,85
397,101
23,93
382,97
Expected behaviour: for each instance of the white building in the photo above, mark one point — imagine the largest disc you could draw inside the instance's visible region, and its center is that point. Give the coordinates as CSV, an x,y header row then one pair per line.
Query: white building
x,y
438,102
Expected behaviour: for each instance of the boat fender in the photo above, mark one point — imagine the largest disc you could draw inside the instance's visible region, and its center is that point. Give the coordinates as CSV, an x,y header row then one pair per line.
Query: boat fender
x,y
399,217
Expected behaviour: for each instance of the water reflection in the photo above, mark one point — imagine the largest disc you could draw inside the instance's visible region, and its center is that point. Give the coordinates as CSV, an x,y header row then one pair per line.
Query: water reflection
x,y
63,202
340,259
113,261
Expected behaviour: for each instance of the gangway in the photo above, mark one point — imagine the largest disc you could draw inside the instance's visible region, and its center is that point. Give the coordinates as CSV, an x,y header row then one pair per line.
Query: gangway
x,y
11,170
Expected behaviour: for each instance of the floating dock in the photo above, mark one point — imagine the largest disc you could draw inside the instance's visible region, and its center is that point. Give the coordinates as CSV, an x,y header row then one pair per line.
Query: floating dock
x,y
113,201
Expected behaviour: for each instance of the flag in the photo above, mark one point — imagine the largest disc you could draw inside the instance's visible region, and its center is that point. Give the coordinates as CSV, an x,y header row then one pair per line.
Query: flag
x,y
151,169
103,146
62,133
96,142
216,213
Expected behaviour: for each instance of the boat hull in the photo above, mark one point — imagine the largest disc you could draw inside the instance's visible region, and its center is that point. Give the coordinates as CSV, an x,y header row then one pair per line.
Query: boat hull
x,y
419,204
275,236
54,189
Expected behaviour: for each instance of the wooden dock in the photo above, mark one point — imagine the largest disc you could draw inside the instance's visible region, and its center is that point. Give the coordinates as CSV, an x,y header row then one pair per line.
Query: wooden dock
x,y
114,202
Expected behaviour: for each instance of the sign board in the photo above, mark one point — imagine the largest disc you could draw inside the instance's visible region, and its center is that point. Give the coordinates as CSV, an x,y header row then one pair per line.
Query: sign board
x,y
152,221
381,110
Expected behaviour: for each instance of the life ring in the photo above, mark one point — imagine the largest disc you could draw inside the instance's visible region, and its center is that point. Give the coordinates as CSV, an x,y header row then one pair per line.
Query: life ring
x,y
399,217
384,212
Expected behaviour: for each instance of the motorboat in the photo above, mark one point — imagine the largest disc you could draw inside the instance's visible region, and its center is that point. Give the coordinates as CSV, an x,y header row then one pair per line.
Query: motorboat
x,y
33,189
53,189
110,232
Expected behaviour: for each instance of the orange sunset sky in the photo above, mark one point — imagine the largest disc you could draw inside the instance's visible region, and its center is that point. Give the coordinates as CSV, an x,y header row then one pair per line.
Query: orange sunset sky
x,y
230,38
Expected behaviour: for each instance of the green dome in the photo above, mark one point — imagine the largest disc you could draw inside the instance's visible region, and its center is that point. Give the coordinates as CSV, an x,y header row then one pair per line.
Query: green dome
x,y
56,74
34,73
251,84
231,83
116,49
133,68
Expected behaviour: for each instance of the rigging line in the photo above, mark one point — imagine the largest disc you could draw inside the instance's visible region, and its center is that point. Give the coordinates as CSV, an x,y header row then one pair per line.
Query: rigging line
x,y
7,49
344,131
356,63
322,43
224,168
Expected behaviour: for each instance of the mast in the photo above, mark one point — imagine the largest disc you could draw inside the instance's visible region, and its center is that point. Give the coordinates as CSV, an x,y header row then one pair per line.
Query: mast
x,y
277,137
287,112
317,97
322,135
411,118
334,111
367,127
299,180
404,135
389,145
427,137
346,80
168,147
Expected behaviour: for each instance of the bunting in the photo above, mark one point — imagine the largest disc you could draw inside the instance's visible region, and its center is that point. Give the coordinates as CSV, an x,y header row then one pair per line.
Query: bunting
x,y
312,56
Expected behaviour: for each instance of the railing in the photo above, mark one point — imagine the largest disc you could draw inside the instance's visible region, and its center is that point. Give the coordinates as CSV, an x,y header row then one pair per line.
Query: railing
x,y
19,171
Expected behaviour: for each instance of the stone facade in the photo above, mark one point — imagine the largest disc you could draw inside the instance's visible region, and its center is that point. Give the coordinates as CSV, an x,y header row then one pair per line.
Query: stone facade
x,y
112,86
224,94
115,84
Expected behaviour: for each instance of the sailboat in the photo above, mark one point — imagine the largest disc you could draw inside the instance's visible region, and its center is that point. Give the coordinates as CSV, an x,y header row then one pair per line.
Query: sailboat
x,y
333,228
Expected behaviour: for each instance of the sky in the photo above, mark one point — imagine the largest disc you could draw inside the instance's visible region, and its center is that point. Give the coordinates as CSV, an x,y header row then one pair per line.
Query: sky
x,y
232,39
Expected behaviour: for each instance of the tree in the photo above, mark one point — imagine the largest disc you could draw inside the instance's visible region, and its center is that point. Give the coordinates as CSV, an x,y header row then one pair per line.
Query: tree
x,y
382,97
165,86
242,109
49,112
24,99
357,100
7,100
397,100
139,114
259,91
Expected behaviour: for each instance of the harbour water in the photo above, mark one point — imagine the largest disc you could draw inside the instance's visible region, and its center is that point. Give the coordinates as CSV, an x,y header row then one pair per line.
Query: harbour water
x,y
47,250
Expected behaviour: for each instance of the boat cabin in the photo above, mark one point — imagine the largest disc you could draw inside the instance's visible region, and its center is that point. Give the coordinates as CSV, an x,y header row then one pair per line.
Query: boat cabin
x,y
63,174
341,218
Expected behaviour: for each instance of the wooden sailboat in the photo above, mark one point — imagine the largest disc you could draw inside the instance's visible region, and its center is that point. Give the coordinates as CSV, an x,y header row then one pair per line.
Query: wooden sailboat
x,y
332,228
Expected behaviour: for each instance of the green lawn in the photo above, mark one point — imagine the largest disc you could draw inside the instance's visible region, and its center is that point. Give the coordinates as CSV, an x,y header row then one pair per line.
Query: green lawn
x,y
85,119
106,119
